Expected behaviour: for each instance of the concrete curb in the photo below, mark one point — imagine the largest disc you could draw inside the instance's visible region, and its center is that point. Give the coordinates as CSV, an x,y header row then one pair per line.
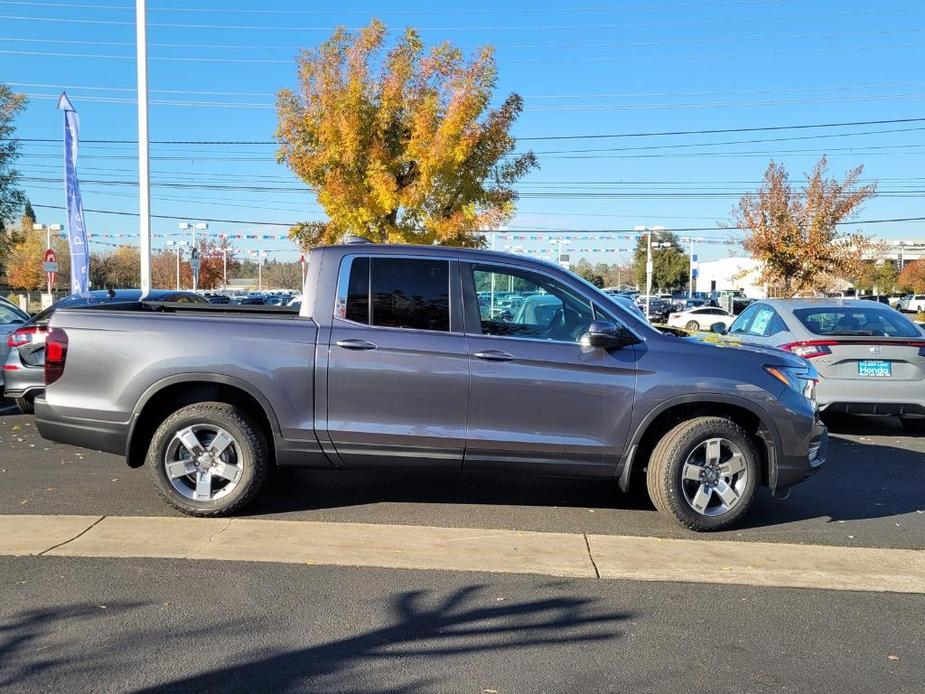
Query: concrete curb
x,y
464,549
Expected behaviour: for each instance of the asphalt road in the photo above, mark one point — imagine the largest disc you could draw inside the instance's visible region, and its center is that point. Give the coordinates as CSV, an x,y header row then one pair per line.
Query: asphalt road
x,y
872,493
171,625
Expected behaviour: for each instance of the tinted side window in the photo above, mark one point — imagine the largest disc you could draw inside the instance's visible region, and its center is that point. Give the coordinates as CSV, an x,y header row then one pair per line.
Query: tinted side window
x,y
358,292
410,293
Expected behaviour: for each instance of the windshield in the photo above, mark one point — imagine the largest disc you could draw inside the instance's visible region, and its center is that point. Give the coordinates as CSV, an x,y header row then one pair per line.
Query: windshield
x,y
856,320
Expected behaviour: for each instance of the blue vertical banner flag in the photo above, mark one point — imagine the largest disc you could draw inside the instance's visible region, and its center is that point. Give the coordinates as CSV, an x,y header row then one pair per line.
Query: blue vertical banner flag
x,y
76,227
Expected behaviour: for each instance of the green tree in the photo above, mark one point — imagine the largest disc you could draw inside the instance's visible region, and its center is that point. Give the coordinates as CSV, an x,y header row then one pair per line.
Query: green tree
x,y
400,147
670,264
586,271
877,276
11,197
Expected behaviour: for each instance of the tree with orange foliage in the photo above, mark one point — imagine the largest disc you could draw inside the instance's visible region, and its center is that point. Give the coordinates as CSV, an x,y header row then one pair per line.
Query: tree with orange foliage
x,y
795,233
912,278
407,152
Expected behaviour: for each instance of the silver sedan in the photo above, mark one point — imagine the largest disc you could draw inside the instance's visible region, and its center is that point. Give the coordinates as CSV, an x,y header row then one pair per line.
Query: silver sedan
x,y
870,358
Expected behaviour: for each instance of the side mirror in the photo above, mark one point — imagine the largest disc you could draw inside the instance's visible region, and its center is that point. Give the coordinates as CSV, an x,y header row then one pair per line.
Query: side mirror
x,y
603,334
719,328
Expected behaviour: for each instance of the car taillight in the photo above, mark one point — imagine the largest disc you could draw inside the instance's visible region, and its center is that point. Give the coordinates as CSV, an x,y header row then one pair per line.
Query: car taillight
x,y
55,355
808,349
23,336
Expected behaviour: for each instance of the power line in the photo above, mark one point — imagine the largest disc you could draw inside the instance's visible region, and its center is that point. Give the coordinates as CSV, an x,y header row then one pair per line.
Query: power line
x,y
577,231
577,108
625,95
505,27
299,11
599,136
777,38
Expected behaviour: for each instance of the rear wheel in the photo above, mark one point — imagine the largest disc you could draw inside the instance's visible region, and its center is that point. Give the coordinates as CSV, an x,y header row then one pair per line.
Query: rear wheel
x,y
704,473
26,404
208,459
914,425
692,325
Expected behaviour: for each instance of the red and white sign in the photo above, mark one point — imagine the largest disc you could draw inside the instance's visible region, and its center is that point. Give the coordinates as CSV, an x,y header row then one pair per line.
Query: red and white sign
x,y
51,266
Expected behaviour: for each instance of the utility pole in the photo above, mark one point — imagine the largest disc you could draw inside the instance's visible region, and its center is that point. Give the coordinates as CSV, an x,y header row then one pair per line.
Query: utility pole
x,y
260,256
179,246
194,226
144,168
693,262
648,231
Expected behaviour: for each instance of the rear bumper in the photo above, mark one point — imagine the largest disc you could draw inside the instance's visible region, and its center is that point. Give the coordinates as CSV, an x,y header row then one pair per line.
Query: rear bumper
x,y
109,437
875,408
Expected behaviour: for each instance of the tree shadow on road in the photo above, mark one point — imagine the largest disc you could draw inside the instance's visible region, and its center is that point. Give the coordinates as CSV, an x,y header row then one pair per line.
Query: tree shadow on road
x,y
425,626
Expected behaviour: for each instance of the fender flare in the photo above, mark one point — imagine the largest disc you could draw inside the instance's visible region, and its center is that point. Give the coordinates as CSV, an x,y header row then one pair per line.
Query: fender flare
x,y
195,378
767,429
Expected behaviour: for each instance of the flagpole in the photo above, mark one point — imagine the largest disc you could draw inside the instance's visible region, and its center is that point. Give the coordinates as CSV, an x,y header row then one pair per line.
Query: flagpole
x,y
144,170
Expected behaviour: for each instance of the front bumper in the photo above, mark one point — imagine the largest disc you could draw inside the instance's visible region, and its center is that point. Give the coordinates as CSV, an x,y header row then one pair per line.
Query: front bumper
x,y
793,469
97,435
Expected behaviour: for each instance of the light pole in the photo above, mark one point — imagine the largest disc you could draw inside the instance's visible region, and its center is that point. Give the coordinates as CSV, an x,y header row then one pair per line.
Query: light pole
x,y
260,256
194,227
648,231
693,259
144,170
48,228
179,246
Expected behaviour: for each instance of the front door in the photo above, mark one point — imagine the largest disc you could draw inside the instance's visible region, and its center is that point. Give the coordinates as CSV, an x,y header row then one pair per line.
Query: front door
x,y
539,399
398,375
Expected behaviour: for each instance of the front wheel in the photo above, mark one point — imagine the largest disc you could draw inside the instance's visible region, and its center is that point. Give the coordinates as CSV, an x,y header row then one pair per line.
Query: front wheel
x,y
208,459
704,473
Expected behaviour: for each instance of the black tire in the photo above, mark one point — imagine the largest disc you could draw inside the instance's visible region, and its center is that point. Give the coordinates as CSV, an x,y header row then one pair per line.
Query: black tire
x,y
251,454
914,425
663,477
692,325
26,404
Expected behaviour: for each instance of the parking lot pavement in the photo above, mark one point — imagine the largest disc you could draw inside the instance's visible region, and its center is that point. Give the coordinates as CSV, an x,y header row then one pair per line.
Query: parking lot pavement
x,y
871,494
108,625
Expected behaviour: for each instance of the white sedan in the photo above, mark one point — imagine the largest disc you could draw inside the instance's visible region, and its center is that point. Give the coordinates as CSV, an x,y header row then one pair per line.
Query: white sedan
x,y
700,318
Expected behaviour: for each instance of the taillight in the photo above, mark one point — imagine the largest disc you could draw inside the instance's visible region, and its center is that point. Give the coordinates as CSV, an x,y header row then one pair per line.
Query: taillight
x,y
809,349
55,355
23,336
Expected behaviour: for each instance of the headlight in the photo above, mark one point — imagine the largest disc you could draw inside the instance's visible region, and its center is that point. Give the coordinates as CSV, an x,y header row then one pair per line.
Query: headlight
x,y
802,379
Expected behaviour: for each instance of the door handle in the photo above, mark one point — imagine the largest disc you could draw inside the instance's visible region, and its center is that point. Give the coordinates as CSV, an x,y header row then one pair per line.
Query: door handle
x,y
493,355
355,344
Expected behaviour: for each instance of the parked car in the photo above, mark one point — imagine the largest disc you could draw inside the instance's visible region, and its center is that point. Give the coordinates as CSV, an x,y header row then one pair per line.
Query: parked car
x,y
703,318
11,318
391,363
24,364
870,358
912,303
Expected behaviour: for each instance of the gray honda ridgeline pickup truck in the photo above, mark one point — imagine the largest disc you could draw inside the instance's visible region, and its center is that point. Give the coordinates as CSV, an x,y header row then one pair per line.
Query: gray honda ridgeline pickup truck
x,y
422,356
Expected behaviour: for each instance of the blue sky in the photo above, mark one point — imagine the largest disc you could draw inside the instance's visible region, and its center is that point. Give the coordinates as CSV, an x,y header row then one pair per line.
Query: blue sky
x,y
584,67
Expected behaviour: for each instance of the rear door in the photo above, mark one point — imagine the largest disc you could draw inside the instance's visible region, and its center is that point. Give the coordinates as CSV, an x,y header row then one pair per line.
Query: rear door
x,y
398,373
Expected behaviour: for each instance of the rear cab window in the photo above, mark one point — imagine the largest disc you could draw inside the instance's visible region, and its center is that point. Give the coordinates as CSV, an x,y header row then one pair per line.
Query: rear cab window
x,y
856,320
410,293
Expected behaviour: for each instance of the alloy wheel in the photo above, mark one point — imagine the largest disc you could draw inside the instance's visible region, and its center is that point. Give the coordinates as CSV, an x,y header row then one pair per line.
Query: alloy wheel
x,y
203,462
714,477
